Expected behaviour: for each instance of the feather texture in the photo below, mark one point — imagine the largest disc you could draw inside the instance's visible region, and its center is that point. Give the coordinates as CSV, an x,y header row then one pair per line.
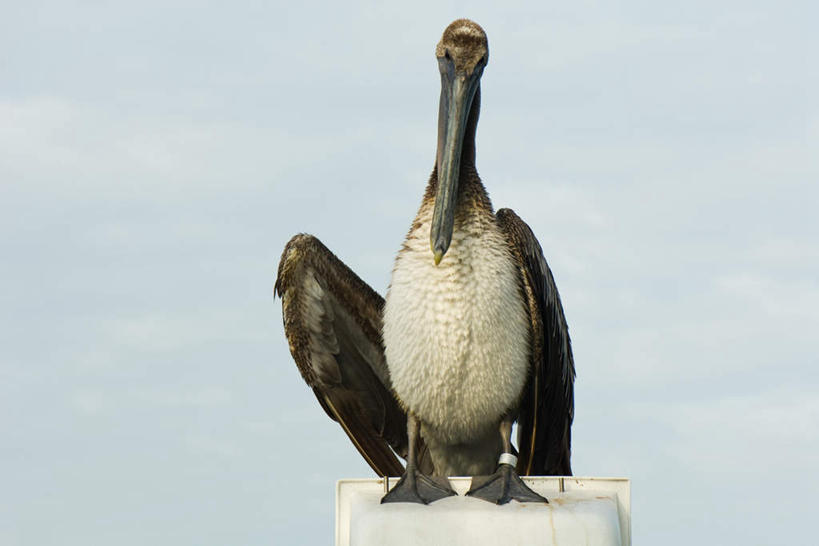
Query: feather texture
x,y
547,407
332,320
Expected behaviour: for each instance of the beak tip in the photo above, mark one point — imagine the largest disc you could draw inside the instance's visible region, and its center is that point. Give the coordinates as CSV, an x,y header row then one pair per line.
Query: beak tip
x,y
438,256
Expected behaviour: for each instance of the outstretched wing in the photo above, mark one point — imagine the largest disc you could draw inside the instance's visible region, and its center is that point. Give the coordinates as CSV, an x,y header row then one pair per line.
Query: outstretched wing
x,y
547,407
332,320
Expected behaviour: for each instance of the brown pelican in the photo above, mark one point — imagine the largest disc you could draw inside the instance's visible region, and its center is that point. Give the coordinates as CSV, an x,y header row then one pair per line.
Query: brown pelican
x,y
471,337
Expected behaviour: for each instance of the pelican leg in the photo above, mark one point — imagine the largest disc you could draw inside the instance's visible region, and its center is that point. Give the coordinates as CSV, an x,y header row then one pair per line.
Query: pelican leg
x,y
414,486
505,484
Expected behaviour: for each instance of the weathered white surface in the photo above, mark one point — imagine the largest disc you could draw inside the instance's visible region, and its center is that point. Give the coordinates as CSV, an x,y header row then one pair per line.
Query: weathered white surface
x,y
589,511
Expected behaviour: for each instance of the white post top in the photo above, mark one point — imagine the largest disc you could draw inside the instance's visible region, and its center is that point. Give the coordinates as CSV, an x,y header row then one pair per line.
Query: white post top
x,y
592,511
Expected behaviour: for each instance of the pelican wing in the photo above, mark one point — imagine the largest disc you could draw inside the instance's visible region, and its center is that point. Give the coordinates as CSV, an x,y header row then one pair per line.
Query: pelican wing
x,y
332,320
547,406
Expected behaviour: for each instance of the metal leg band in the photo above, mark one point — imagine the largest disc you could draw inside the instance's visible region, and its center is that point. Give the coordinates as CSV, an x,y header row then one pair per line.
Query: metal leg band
x,y
508,458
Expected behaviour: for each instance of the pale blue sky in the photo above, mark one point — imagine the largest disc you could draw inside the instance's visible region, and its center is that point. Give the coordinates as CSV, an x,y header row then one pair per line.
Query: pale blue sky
x,y
156,156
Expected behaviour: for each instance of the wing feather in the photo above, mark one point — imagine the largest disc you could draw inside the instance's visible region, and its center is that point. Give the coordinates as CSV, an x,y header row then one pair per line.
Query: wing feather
x,y
547,407
332,320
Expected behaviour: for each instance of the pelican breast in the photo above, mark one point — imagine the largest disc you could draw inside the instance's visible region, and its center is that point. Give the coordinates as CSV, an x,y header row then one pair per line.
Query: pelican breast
x,y
456,335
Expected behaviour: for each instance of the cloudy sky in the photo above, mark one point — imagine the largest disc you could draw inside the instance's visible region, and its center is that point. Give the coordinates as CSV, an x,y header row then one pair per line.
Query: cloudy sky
x,y
156,156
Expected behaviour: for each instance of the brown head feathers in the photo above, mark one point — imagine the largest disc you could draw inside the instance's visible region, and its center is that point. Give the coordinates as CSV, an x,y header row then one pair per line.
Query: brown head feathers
x,y
466,44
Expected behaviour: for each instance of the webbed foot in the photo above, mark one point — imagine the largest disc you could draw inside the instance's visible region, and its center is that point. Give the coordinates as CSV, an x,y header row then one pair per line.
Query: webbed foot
x,y
416,487
502,486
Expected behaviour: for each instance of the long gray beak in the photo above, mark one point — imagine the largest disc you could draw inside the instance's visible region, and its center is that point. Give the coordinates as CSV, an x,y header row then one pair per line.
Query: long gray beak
x,y
457,92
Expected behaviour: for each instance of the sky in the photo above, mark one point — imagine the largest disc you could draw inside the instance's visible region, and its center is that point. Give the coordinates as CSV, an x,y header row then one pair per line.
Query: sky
x,y
155,157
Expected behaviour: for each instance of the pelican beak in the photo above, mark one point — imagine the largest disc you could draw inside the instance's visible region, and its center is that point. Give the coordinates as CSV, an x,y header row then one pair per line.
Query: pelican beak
x,y
457,91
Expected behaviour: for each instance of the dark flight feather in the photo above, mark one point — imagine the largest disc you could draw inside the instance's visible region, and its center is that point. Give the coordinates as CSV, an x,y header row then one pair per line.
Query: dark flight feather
x,y
547,406
332,320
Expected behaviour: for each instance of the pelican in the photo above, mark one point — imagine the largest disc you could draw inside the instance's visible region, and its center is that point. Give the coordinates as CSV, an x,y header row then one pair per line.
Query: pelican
x,y
470,338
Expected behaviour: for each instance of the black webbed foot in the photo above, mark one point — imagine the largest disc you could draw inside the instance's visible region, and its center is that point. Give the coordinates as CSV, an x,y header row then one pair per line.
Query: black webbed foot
x,y
502,486
416,487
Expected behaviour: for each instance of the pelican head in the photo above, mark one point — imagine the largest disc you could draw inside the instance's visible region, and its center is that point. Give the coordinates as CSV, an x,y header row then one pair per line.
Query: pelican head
x,y
462,55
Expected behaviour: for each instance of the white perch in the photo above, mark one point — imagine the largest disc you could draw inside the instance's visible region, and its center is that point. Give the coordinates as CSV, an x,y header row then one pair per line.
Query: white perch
x,y
589,511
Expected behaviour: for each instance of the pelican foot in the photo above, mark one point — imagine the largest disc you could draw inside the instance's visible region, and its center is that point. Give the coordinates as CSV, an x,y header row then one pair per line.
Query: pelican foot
x,y
502,486
418,488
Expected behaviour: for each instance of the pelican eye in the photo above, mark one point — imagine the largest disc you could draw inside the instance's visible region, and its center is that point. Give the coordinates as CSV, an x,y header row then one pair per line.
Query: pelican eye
x,y
446,55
